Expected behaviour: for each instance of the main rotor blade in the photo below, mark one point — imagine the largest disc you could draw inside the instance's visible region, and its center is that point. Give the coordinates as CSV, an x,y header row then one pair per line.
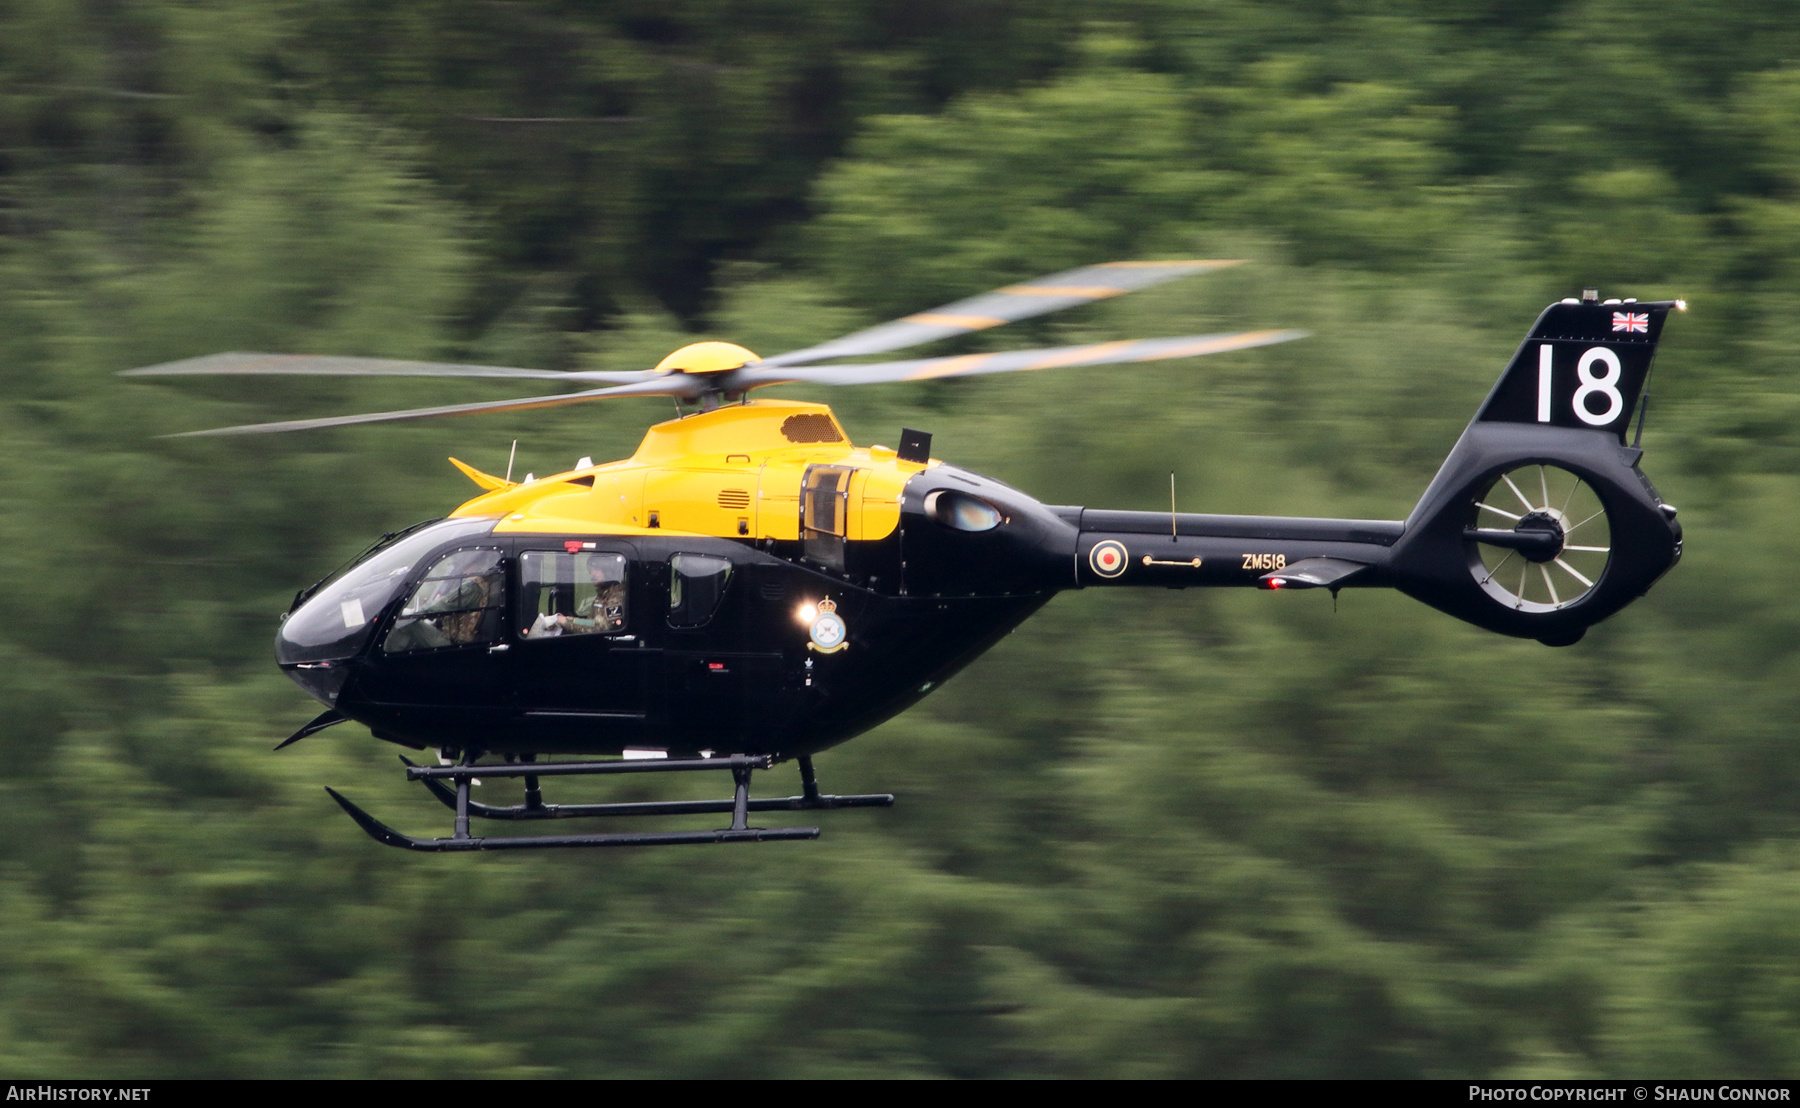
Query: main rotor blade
x,y
1011,361
1005,305
325,365
672,385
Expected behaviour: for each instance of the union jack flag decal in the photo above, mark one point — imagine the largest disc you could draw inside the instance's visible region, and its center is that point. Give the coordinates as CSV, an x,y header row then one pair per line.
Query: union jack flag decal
x,y
1632,321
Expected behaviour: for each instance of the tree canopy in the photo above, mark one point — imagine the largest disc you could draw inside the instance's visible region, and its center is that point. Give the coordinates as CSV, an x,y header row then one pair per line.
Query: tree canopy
x,y
1178,835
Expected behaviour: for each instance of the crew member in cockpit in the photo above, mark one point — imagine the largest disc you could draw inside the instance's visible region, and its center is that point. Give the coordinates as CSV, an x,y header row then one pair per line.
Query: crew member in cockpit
x,y
605,610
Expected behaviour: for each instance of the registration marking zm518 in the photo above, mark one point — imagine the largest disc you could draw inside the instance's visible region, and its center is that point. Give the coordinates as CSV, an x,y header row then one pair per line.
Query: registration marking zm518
x,y
1265,561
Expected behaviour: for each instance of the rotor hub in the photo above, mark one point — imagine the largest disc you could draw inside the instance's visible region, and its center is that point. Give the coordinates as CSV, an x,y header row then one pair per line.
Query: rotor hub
x,y
1548,527
708,357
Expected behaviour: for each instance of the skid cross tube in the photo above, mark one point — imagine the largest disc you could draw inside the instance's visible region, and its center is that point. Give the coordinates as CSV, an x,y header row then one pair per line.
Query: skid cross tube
x,y
386,835
451,785
535,808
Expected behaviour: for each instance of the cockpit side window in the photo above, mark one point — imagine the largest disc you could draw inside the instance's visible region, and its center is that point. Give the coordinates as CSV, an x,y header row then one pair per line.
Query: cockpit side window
x,y
457,604
696,585
571,594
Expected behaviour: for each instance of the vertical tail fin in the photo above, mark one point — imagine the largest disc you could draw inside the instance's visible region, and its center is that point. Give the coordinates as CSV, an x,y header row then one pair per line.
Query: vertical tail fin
x,y
1583,366
1539,523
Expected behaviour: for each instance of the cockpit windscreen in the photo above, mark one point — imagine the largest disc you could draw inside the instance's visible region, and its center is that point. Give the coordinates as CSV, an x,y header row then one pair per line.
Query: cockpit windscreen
x,y
336,620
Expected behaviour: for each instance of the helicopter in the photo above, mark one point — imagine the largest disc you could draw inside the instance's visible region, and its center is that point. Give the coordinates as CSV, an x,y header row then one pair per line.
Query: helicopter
x,y
749,587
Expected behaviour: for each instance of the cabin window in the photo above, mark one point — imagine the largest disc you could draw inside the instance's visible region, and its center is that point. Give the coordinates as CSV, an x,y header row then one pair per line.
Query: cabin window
x,y
824,512
457,604
571,594
696,585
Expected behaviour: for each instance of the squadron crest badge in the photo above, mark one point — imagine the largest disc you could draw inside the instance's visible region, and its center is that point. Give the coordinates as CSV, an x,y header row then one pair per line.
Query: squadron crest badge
x,y
828,631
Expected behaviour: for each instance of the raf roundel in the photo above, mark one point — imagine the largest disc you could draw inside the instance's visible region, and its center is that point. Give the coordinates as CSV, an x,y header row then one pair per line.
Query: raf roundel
x,y
1109,558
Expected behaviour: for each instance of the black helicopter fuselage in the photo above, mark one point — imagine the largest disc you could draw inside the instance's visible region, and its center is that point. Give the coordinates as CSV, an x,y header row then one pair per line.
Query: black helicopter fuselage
x,y
971,559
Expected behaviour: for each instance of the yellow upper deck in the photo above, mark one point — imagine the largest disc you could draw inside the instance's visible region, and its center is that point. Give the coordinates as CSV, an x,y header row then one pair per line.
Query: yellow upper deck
x,y
731,473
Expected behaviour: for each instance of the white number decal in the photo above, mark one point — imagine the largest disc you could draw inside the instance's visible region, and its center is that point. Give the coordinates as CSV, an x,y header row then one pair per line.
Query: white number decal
x,y
1544,383
1605,384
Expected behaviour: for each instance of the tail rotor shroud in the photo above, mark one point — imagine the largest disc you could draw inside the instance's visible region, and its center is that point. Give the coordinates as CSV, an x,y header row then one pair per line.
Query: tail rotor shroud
x,y
1540,539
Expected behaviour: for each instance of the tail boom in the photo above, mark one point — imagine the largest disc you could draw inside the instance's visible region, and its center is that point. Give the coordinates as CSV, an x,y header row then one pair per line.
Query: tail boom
x,y
1170,550
1539,524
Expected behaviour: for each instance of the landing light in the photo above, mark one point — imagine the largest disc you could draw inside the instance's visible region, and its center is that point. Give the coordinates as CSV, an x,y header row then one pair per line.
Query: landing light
x,y
1681,305
807,613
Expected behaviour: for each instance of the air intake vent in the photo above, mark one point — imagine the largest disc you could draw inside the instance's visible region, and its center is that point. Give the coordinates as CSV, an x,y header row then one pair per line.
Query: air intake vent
x,y
810,427
735,500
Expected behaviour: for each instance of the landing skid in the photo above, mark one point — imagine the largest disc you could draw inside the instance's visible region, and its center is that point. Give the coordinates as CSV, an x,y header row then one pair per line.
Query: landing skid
x,y
740,805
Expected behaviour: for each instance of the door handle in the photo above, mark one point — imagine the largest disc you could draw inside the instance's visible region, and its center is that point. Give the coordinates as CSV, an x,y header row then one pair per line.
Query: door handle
x,y
499,649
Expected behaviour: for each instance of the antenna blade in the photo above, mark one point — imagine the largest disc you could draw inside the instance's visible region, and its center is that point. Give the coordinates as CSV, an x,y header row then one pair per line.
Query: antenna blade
x,y
1013,361
662,386
240,364
1068,289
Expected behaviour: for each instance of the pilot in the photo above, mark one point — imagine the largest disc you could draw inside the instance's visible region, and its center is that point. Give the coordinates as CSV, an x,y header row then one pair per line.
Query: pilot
x,y
460,602
471,597
605,610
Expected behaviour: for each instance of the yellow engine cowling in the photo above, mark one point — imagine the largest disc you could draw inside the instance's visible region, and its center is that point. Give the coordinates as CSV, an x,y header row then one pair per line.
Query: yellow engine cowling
x,y
732,473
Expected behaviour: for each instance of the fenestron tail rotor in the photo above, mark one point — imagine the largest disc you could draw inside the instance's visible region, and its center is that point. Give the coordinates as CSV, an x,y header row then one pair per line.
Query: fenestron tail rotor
x,y
1541,537
715,376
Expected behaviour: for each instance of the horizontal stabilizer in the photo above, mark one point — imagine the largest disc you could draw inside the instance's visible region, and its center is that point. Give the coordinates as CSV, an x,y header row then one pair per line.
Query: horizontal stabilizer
x,y
1313,573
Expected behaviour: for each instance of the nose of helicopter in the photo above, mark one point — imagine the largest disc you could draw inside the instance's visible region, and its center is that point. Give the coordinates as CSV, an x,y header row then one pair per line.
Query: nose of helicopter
x,y
321,680
334,623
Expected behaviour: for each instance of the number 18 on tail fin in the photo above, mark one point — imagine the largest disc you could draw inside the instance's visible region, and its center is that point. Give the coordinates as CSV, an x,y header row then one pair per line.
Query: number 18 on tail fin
x,y
1583,366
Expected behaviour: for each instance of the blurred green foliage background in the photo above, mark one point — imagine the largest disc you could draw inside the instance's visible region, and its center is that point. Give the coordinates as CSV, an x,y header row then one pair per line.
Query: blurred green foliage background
x,y
1149,835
